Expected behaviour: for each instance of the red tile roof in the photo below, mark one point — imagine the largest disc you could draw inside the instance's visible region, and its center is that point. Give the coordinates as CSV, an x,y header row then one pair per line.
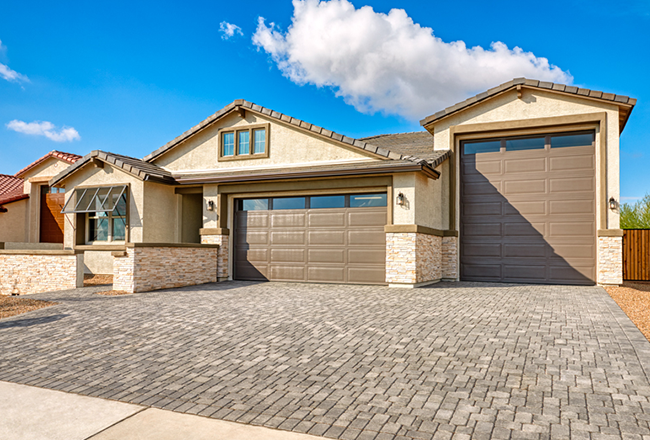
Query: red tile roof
x,y
11,189
67,157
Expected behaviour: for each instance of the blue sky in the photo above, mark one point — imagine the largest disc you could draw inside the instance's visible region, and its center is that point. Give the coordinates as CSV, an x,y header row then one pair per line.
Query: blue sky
x,y
129,77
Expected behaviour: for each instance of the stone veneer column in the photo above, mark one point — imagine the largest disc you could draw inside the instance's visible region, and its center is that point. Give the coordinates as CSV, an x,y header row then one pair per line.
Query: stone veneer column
x,y
413,258
222,255
610,260
450,258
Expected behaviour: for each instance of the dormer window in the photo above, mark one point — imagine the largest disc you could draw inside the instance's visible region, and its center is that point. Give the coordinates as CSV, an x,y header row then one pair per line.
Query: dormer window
x,y
250,142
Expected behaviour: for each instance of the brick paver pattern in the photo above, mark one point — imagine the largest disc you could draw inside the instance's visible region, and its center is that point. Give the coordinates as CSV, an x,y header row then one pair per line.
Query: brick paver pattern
x,y
451,361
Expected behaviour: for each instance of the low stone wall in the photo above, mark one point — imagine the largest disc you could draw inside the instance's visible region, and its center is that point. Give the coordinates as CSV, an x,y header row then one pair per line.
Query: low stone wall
x,y
413,258
610,260
144,267
32,271
222,254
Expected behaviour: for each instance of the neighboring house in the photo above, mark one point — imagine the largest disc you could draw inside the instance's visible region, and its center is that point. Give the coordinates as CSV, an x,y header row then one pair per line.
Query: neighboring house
x,y
30,211
517,184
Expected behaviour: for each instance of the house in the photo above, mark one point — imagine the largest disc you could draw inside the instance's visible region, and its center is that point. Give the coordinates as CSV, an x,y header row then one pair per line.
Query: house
x,y
30,211
517,184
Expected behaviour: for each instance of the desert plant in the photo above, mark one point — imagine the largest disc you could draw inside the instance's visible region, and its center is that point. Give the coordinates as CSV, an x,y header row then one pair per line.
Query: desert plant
x,y
637,215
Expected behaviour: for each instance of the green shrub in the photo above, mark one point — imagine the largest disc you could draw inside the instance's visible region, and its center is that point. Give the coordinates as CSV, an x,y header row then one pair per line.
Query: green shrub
x,y
637,215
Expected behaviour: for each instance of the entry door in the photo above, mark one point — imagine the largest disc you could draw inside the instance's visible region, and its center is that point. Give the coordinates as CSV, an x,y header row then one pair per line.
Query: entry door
x,y
51,221
528,209
320,239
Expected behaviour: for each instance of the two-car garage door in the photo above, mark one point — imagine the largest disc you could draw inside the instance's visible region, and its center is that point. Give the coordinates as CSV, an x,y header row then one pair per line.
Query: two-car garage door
x,y
528,208
336,238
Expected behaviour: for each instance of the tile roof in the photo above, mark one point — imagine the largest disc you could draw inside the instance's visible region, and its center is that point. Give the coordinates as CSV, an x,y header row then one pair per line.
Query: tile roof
x,y
314,129
136,167
11,189
66,157
417,144
533,83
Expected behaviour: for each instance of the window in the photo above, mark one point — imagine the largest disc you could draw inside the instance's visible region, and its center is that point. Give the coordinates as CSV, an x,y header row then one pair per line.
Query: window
x,y
540,142
482,147
321,202
536,143
289,203
254,205
367,200
250,142
105,209
572,140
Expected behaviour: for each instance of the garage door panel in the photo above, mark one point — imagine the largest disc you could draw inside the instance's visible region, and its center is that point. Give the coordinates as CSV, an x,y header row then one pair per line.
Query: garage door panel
x,y
493,208
525,186
525,272
287,272
367,256
546,233
287,237
252,220
365,275
524,250
482,230
482,188
482,249
367,237
289,220
253,237
367,218
585,184
525,165
249,271
525,208
572,207
572,163
327,237
288,255
326,274
330,255
242,254
326,219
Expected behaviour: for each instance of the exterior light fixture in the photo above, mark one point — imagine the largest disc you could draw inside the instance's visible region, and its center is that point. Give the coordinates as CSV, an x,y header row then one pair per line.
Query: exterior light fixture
x,y
400,199
210,205
612,203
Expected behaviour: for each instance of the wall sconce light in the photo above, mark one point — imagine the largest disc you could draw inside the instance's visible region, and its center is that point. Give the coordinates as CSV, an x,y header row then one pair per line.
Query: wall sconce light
x,y
612,203
400,200
210,205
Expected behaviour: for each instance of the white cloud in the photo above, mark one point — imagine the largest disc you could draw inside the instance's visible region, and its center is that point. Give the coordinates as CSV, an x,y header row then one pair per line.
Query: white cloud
x,y
9,74
386,62
228,30
44,128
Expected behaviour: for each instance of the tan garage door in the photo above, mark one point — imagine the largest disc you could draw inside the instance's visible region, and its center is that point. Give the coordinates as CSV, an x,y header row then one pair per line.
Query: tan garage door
x,y
321,239
528,209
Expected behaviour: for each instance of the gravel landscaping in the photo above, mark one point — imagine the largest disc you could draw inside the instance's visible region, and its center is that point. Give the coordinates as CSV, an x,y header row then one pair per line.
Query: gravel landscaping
x,y
12,305
634,299
97,280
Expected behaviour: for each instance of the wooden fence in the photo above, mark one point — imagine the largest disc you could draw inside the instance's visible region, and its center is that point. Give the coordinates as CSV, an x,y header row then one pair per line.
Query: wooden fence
x,y
636,254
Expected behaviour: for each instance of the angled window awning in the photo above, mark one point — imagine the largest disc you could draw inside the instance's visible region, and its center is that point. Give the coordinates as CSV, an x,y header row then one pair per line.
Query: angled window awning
x,y
102,199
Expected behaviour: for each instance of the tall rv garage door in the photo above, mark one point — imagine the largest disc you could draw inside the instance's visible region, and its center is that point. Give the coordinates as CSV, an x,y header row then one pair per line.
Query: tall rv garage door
x,y
528,209
321,239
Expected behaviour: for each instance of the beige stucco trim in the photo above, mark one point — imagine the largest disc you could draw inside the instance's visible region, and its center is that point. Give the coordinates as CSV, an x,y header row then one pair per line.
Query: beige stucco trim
x,y
610,232
596,121
214,231
419,229
39,179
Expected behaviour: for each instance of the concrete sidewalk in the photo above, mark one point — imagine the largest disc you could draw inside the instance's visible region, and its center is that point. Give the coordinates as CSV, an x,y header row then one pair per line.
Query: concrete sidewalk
x,y
32,413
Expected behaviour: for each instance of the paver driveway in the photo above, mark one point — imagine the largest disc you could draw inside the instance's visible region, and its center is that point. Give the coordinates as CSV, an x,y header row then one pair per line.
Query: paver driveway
x,y
458,359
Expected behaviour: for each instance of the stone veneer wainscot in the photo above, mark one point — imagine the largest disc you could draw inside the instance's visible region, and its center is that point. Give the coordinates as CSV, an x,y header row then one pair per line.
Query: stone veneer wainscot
x,y
413,258
145,267
37,271
610,260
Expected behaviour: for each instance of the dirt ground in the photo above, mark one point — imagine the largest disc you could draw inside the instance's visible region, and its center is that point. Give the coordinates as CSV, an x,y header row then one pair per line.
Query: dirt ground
x,y
13,305
97,280
634,298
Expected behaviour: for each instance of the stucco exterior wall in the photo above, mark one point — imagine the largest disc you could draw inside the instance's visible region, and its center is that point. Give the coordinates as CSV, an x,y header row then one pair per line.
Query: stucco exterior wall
x,y
13,223
287,146
40,174
423,201
91,176
160,223
542,104
98,262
